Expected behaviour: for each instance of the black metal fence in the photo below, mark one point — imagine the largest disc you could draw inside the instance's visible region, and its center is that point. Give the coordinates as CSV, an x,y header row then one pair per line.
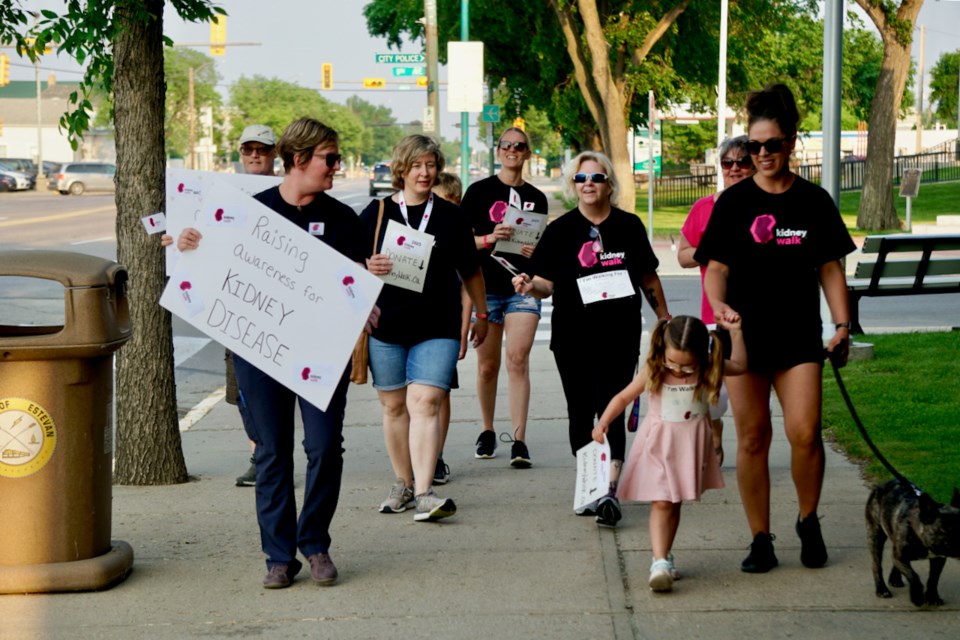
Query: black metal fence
x,y
940,166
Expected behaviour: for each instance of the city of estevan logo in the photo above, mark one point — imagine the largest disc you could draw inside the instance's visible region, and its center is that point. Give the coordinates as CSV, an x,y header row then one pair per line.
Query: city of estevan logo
x,y
28,437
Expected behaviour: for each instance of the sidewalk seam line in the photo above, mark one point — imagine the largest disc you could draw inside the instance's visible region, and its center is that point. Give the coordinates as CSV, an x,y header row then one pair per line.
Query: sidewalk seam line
x,y
202,408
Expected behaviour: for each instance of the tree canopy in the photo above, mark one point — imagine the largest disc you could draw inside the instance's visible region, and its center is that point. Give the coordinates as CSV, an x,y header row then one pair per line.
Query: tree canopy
x,y
944,87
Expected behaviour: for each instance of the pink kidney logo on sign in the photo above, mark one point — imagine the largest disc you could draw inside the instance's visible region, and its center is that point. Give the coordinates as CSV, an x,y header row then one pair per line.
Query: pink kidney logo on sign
x,y
603,457
401,240
348,281
219,215
603,295
305,374
687,415
762,228
152,223
180,187
185,285
519,220
497,211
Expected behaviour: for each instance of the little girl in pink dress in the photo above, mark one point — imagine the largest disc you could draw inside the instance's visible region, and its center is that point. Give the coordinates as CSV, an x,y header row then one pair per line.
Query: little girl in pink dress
x,y
672,458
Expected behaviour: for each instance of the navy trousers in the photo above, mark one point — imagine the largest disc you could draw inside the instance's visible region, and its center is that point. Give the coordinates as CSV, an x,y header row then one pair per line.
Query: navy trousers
x,y
268,418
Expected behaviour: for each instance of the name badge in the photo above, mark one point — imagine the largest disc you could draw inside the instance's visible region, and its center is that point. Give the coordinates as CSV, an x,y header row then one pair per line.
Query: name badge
x,y
678,405
608,285
315,228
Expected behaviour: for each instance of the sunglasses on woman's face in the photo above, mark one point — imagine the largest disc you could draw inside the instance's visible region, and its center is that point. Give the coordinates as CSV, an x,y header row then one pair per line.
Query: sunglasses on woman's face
x,y
773,145
596,178
743,163
520,146
330,158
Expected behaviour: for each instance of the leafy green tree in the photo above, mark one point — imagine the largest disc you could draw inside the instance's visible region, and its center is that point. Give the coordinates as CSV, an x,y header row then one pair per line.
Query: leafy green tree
x,y
380,132
276,103
944,86
894,20
177,63
121,42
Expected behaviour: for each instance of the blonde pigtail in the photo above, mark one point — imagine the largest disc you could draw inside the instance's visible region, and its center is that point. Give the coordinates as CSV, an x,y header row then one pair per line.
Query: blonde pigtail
x,y
714,373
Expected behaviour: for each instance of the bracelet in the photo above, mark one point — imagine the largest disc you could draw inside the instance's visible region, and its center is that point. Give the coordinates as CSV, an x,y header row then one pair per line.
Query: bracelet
x,y
842,325
486,245
481,316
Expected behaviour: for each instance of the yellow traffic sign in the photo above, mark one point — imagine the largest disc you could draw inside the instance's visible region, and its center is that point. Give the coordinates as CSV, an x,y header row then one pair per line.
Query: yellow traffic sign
x,y
374,83
218,35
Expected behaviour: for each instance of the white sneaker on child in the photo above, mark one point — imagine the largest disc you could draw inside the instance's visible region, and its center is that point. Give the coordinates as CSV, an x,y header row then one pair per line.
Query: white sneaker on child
x,y
661,581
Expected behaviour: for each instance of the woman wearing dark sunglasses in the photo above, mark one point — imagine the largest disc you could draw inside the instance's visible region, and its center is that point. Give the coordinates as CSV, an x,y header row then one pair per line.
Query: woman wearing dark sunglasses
x,y
511,314
735,165
771,243
594,260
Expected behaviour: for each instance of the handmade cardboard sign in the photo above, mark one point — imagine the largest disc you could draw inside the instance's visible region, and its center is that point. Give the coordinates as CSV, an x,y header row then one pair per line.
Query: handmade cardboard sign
x,y
527,229
593,473
271,293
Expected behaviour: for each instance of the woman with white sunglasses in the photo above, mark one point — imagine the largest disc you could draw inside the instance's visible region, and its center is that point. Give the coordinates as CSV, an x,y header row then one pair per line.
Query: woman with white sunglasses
x,y
595,261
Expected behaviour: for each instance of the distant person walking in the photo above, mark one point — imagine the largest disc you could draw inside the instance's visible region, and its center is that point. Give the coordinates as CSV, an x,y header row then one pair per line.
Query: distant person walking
x,y
511,314
311,155
595,261
735,165
773,240
672,459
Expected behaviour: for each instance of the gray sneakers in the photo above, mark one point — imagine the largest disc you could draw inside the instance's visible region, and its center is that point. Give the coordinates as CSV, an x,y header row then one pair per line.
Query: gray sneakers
x,y
431,507
399,500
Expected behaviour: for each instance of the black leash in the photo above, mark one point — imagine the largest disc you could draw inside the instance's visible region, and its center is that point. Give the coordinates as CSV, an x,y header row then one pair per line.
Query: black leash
x,y
863,432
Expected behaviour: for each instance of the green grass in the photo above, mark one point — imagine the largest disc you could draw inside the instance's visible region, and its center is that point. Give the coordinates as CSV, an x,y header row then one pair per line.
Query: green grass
x,y
908,400
934,199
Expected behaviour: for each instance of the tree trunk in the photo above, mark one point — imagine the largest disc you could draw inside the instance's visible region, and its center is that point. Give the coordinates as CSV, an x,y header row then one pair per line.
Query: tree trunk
x,y
148,437
877,210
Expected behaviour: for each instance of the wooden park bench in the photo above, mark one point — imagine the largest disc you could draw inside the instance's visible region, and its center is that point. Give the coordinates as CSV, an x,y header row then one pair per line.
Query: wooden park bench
x,y
933,266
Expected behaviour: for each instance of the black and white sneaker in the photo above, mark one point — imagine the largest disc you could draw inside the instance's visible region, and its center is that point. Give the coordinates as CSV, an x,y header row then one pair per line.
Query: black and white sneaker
x,y
486,445
519,456
442,473
608,511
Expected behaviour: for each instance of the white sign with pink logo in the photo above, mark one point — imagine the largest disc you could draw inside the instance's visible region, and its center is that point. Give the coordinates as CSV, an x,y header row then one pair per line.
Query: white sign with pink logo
x,y
593,473
271,293
527,229
409,250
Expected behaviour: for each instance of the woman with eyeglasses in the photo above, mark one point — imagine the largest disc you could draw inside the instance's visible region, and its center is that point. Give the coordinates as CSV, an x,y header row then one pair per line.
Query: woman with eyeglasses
x,y
310,153
511,314
772,242
595,261
735,165
415,347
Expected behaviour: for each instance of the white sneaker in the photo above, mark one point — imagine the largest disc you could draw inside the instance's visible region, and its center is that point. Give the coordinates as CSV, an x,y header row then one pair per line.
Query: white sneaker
x,y
660,579
431,507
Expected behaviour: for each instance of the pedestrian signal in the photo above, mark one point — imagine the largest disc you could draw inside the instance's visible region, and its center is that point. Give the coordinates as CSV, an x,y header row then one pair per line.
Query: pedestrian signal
x,y
374,83
326,77
218,35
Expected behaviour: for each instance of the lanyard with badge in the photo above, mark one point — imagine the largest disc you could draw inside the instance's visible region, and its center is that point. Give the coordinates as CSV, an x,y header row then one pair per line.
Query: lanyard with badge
x,y
426,212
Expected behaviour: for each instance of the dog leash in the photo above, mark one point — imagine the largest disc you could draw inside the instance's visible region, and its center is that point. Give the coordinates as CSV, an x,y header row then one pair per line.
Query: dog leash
x,y
863,431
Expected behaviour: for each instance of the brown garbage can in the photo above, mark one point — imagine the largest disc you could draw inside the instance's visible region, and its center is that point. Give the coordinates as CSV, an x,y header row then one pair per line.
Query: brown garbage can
x,y
56,430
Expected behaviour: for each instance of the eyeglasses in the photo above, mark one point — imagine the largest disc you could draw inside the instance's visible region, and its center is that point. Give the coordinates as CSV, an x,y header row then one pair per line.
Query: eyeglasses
x,y
596,178
330,158
505,145
597,238
246,150
773,145
677,370
743,163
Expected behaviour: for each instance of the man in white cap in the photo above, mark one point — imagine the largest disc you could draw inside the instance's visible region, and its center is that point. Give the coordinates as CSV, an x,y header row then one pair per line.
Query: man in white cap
x,y
258,150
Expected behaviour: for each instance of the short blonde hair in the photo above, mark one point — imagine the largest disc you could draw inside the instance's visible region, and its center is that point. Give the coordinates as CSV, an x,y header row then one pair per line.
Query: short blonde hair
x,y
408,150
448,187
573,167
300,138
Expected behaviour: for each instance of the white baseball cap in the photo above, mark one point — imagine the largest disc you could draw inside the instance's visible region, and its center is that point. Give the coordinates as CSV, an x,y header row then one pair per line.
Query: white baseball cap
x,y
259,133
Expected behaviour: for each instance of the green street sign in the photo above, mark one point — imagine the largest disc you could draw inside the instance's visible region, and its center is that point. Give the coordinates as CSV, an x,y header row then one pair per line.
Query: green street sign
x,y
491,113
409,71
400,58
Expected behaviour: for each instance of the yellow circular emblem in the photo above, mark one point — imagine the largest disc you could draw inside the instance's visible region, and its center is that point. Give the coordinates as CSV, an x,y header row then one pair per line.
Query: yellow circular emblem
x,y
27,437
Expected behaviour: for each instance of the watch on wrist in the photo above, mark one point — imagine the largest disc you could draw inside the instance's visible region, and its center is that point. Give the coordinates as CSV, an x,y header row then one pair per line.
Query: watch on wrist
x,y
843,325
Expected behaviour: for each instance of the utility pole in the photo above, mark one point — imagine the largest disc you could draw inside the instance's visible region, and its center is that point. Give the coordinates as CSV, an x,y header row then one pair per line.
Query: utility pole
x,y
464,116
433,83
192,119
722,91
923,33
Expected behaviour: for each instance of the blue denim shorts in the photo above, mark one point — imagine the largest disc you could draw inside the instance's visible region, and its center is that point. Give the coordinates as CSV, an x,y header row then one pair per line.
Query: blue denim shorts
x,y
431,363
499,306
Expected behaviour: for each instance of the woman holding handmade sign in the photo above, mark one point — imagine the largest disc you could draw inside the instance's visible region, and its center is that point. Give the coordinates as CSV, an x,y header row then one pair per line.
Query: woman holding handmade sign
x,y
594,260
508,215
423,243
310,153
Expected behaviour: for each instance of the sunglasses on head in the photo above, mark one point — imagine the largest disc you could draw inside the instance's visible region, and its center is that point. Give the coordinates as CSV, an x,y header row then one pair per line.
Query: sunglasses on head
x,y
249,151
597,238
743,163
505,145
773,145
596,178
330,158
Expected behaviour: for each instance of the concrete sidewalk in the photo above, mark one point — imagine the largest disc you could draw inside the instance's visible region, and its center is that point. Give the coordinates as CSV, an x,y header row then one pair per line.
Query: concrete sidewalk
x,y
514,562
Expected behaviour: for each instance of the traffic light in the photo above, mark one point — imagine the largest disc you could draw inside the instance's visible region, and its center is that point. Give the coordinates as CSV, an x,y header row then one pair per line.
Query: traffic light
x,y
520,123
4,69
218,35
374,83
326,78
1,126
422,81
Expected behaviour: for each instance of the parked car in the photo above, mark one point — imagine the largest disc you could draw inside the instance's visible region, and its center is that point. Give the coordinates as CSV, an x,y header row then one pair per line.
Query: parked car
x,y
23,165
78,177
380,179
7,183
19,181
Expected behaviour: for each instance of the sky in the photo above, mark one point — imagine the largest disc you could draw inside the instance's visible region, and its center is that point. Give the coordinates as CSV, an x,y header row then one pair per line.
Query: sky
x,y
297,36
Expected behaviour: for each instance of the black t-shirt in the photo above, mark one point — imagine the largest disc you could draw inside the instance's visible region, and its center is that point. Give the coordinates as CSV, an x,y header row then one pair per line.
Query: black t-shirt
x,y
477,203
408,317
339,226
774,245
557,258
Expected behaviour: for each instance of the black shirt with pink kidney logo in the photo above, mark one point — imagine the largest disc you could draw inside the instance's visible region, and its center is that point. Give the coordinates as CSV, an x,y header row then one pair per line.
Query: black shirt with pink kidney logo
x,y
774,246
564,256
